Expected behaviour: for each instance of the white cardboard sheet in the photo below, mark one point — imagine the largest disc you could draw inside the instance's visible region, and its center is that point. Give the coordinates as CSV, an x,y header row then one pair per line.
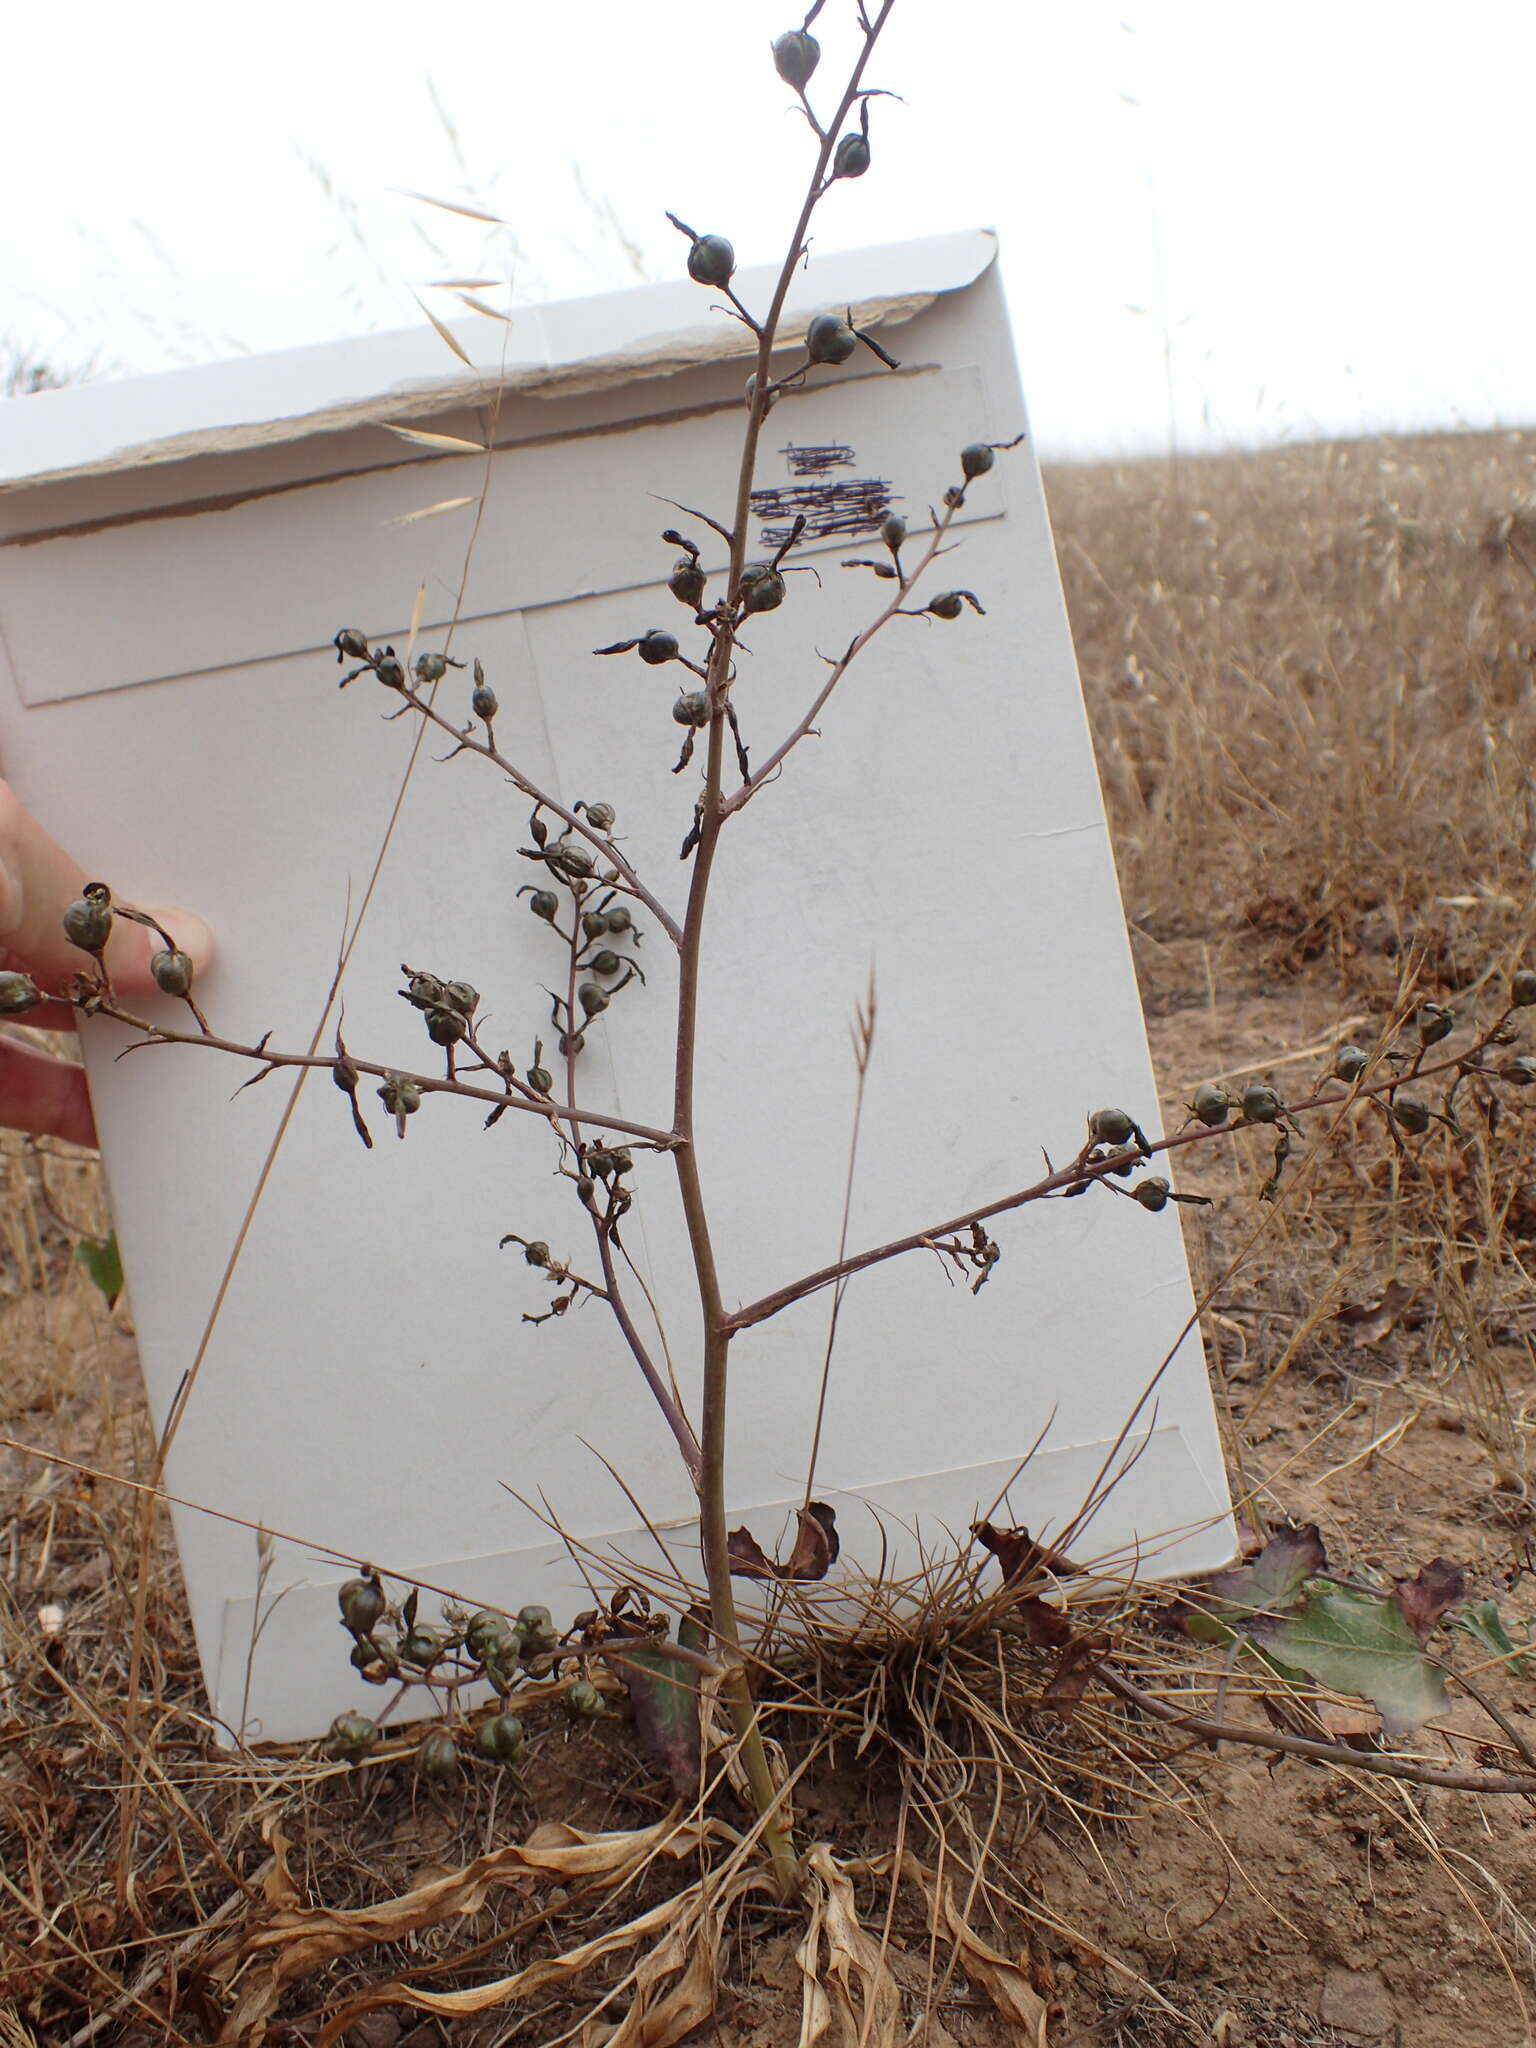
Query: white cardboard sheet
x,y
174,559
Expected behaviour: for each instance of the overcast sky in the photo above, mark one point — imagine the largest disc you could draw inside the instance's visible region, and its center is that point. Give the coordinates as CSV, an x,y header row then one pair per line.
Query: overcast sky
x,y
1303,218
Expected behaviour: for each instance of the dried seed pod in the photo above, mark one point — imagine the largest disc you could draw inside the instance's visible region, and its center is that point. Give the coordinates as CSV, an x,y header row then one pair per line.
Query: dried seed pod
x,y
350,645
367,1659
582,1700
593,924
1522,989
617,918
851,158
605,962
540,1080
572,857
687,581
172,970
351,1735
976,460
1212,1105
1521,1070
401,1097
692,708
1411,1115
446,1027
1435,1022
389,670
711,261
762,588
796,54
1261,1104
18,993
423,1646
538,1627
893,530
1152,1194
1349,1063
431,668
829,339
424,990
599,1161
88,920
601,817
544,903
656,647
461,996
593,1000
483,701
500,1740
486,1633
437,1757
537,1252
948,603
1111,1127
623,1159
362,1605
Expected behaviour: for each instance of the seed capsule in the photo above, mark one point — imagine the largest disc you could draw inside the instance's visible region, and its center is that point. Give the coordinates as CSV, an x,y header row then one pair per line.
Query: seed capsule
x,y
571,856
401,1097
583,1701
446,1027
538,1626
712,261
461,996
500,1740
656,647
544,903
1435,1022
829,339
852,157
687,581
389,671
618,918
536,1253
947,605
172,970
362,1604
762,588
592,999
485,1633
423,1646
351,1735
431,668
540,1080
606,962
1521,1070
437,1757
350,645
796,54
1411,1114
976,460
1212,1105
88,920
1349,1063
1152,1194
1522,989
1111,1127
692,708
893,530
366,1659
601,817
425,991
593,924
1261,1104
18,994
483,700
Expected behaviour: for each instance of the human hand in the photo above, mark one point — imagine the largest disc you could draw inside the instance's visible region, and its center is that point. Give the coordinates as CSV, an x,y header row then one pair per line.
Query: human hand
x,y
39,1092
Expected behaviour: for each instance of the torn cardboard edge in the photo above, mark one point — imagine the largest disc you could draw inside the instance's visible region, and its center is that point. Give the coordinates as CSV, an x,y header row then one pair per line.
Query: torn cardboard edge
x,y
550,351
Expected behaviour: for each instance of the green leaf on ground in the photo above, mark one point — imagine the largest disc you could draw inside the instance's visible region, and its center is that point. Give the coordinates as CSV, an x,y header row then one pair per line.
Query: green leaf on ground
x,y
1483,1622
664,1693
100,1258
1361,1644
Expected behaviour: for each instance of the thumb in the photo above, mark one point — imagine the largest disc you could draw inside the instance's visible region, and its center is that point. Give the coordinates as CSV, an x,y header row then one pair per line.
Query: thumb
x,y
38,880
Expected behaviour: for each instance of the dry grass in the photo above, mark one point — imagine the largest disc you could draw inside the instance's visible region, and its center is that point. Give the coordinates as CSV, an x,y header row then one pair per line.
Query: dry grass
x,y
1311,678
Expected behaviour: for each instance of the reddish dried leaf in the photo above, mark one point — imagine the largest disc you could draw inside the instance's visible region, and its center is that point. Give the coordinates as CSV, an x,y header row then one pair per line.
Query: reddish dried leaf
x,y
815,1552
1044,1626
1370,1325
1078,1663
1425,1597
1273,1582
1019,1554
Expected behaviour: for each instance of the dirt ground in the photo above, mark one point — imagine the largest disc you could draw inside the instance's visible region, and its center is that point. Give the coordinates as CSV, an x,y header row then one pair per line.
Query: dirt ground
x,y
1372,1354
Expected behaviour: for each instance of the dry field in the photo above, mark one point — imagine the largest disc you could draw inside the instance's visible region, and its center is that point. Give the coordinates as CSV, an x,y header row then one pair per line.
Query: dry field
x,y
1312,678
